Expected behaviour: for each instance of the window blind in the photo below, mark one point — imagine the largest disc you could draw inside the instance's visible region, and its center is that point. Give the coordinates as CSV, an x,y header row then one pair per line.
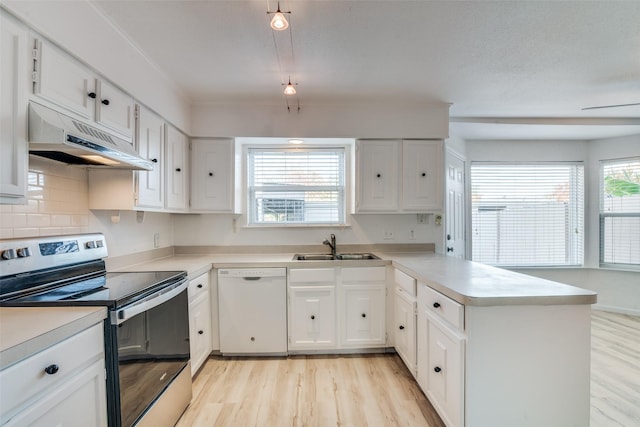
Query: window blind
x,y
296,186
527,214
620,212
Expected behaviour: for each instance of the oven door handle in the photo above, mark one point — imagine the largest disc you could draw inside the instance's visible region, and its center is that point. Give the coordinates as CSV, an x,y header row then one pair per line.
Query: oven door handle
x,y
149,302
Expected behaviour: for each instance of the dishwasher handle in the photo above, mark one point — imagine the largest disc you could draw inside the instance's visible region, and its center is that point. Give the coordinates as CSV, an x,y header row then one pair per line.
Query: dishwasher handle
x,y
252,278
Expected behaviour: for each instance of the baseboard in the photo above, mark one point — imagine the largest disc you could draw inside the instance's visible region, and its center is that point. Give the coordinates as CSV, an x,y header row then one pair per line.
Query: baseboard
x,y
614,309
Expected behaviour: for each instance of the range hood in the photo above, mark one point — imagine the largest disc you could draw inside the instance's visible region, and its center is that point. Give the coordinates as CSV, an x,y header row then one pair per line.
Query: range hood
x,y
59,137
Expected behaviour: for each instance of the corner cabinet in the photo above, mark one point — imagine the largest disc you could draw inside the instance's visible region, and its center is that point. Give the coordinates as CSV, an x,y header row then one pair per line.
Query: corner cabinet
x,y
13,110
399,176
215,169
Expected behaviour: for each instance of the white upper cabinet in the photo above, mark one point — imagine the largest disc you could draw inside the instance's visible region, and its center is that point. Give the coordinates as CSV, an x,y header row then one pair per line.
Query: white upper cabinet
x,y
61,80
422,175
150,141
13,109
377,163
398,176
214,175
177,169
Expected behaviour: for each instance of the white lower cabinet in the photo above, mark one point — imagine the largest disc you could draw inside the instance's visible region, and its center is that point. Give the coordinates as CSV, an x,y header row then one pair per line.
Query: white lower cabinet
x,y
312,317
440,358
337,308
312,309
63,385
405,328
200,324
362,302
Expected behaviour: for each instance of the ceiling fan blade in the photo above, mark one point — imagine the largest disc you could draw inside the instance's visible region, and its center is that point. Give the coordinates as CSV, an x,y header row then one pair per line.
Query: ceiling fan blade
x,y
610,106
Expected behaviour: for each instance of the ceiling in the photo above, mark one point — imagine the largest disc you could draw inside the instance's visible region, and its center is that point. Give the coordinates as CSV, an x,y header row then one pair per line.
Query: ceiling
x,y
498,63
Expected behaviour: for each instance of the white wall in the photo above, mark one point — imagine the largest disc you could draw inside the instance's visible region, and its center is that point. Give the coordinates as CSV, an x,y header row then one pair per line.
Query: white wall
x,y
81,29
370,120
209,229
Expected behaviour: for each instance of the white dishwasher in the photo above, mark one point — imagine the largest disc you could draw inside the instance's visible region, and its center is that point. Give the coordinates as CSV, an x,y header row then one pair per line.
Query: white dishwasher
x,y
253,311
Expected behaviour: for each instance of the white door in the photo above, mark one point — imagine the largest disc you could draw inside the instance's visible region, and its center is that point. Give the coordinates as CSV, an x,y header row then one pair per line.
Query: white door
x,y
455,207
151,146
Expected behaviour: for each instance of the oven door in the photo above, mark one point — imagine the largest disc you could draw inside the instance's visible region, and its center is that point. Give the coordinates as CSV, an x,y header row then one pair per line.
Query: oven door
x,y
153,348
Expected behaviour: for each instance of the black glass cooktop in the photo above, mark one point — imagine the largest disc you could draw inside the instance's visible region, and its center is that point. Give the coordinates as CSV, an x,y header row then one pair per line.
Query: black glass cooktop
x,y
111,289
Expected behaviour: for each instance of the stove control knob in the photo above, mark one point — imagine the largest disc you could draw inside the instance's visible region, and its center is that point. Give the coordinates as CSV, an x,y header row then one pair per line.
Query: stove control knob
x,y
8,254
23,252
99,244
90,245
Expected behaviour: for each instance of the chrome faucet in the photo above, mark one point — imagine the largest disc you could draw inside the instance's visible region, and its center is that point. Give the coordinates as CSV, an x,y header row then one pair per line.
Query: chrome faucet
x,y
332,244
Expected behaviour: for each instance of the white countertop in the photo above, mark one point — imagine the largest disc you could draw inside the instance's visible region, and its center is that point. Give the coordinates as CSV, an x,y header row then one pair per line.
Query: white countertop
x,y
27,330
466,282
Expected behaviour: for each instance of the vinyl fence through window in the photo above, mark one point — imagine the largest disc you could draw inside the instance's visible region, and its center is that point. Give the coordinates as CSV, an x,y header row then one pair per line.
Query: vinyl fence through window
x,y
527,214
296,186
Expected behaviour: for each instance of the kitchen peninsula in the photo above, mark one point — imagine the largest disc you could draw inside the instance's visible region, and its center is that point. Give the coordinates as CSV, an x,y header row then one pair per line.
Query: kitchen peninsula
x,y
477,328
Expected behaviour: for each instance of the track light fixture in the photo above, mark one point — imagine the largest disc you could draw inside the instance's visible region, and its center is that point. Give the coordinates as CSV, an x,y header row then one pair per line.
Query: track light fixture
x,y
279,22
289,88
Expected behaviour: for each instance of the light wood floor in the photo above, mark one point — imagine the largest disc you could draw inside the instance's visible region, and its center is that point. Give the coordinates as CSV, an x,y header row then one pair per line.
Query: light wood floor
x,y
377,390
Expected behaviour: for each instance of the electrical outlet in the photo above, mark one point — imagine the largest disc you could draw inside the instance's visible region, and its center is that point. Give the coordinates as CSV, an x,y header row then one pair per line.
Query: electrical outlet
x,y
388,235
412,235
423,219
156,240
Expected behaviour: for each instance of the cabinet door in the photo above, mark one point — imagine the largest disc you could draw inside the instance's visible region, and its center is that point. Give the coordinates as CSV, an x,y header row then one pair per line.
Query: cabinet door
x,y
422,175
363,315
200,330
312,317
115,109
405,328
151,146
441,368
13,110
377,175
64,81
212,175
80,401
177,169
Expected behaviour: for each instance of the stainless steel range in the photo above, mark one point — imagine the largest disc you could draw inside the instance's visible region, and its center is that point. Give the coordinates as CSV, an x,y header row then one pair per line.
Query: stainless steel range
x,y
146,332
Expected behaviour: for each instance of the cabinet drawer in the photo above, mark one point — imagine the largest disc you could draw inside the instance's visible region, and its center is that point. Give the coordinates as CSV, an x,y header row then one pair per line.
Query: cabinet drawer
x,y
405,282
364,274
24,380
198,286
312,275
442,306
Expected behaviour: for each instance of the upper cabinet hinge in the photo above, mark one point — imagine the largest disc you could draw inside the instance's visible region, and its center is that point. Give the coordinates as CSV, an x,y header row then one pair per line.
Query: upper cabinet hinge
x,y
34,77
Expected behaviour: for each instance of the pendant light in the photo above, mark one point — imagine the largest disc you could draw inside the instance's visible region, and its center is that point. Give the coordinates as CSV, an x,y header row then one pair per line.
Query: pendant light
x,y
279,22
290,89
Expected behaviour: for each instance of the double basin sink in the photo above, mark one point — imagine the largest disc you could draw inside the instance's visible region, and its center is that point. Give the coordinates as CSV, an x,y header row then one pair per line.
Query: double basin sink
x,y
337,257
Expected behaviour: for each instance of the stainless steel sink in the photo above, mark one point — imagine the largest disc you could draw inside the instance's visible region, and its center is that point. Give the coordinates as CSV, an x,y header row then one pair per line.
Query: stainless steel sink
x,y
356,256
329,257
313,257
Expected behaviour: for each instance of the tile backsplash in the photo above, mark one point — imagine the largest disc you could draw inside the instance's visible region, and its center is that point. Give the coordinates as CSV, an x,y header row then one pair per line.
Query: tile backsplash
x,y
57,202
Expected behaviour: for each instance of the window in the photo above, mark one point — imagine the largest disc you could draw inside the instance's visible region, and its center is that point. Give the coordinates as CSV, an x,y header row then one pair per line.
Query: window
x,y
527,214
296,186
620,213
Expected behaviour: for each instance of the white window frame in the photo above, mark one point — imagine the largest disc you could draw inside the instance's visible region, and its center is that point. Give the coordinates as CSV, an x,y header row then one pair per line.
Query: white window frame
x,y
603,216
346,185
574,246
